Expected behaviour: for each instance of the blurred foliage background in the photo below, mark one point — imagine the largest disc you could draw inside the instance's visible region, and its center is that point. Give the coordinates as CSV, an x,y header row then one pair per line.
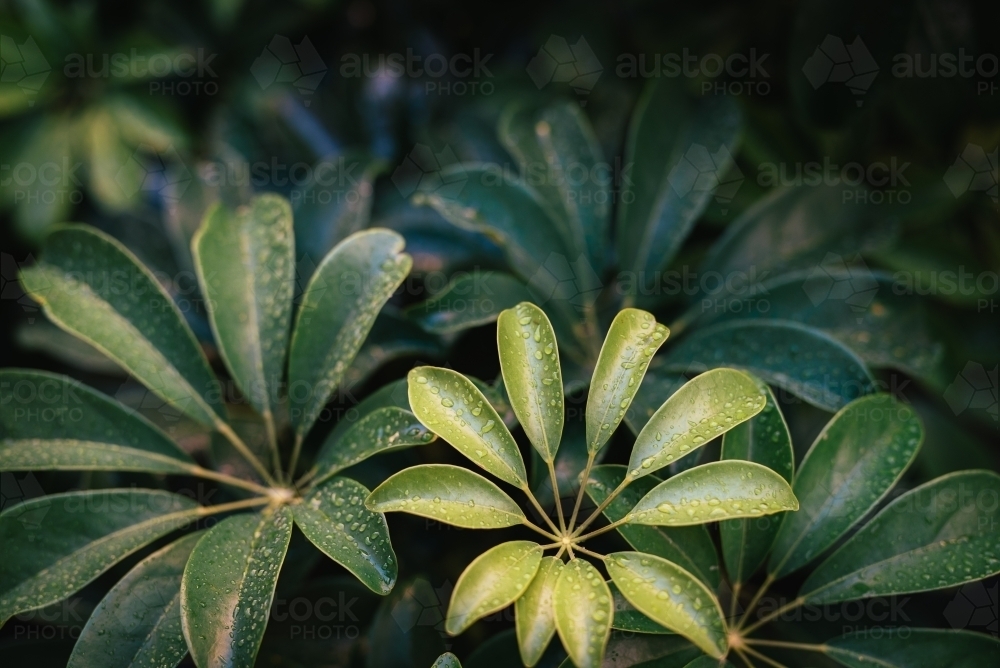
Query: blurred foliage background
x,y
136,116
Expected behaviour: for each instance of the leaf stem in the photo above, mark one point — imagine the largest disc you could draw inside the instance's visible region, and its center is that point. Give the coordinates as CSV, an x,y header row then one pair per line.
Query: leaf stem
x,y
242,448
584,477
604,529
272,441
604,504
306,477
769,661
534,527
734,600
744,657
555,496
589,553
754,601
541,511
228,480
559,554
234,505
296,451
777,613
805,647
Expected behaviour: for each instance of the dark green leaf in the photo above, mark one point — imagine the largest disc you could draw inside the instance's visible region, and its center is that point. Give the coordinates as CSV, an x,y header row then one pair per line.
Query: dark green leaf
x,y
803,360
338,309
54,545
494,580
469,301
91,285
648,651
691,547
138,623
853,463
583,613
228,586
914,648
335,519
64,454
449,494
941,534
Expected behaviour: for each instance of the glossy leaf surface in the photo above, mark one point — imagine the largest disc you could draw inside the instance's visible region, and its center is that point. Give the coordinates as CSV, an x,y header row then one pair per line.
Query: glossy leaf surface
x,y
534,612
494,580
583,613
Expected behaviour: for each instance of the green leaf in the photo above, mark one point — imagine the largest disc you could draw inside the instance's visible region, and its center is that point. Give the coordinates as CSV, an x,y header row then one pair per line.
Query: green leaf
x,y
138,622
632,340
228,586
245,261
54,545
704,408
557,143
534,612
714,492
494,580
449,494
470,300
690,547
708,662
656,388
390,395
93,287
529,360
451,406
914,648
803,360
763,439
852,465
670,138
335,519
627,618
392,337
669,595
64,454
406,630
338,309
41,405
383,430
941,534
447,660
648,651
583,613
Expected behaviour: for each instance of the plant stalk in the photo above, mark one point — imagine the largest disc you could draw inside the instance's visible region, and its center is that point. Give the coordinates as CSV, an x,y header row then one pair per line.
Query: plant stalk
x,y
242,448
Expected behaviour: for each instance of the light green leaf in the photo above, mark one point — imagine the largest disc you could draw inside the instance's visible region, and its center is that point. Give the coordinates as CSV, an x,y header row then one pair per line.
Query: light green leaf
x,y
338,309
383,430
669,595
138,623
554,145
67,409
245,261
335,519
529,360
914,648
704,408
941,534
854,462
713,492
690,547
583,613
803,360
54,545
627,618
447,660
632,340
228,586
470,300
763,439
64,454
656,388
450,494
494,580
534,612
671,139
92,286
451,406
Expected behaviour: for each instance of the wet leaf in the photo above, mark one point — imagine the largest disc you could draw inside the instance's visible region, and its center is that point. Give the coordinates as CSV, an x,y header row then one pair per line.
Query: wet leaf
x,y
494,580
64,541
529,360
801,359
704,408
338,309
713,492
334,518
914,648
669,595
245,261
661,651
468,301
228,586
583,613
627,618
763,439
450,494
92,286
138,622
854,462
451,406
632,340
65,454
938,535
447,660
534,612
690,547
